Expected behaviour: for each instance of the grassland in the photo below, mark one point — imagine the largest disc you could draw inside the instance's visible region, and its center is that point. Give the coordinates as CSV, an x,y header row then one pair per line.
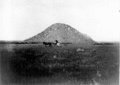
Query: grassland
x,y
33,63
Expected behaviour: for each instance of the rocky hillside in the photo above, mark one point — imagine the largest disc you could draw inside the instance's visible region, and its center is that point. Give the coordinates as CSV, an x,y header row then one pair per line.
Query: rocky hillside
x,y
63,33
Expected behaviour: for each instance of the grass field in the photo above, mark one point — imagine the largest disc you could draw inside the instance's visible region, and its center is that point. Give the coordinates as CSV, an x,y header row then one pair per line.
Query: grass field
x,y
59,65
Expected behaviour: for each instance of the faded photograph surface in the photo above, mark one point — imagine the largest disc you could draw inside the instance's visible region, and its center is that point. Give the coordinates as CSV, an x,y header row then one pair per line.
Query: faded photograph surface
x,y
56,42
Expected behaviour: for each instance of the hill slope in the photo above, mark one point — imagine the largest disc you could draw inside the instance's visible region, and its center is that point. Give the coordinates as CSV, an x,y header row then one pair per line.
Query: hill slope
x,y
62,33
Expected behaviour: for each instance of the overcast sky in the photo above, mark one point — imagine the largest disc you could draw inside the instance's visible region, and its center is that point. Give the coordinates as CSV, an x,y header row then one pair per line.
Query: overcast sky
x,y
21,19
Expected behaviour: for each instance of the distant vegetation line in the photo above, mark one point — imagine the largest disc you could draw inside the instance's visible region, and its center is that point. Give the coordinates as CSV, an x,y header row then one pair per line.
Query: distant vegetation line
x,y
106,43
18,42
24,42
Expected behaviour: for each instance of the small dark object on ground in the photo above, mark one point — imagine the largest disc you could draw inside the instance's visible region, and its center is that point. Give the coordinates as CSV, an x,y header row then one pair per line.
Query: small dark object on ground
x,y
51,43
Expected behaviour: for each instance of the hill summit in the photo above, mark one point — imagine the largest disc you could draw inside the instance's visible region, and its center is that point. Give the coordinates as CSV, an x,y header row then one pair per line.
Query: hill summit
x,y
63,33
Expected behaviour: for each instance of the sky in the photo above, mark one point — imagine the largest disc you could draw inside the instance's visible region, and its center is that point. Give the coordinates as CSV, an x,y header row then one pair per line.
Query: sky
x,y
22,19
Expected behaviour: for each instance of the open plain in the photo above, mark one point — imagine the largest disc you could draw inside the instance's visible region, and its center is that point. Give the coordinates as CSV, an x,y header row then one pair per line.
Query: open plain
x,y
68,64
